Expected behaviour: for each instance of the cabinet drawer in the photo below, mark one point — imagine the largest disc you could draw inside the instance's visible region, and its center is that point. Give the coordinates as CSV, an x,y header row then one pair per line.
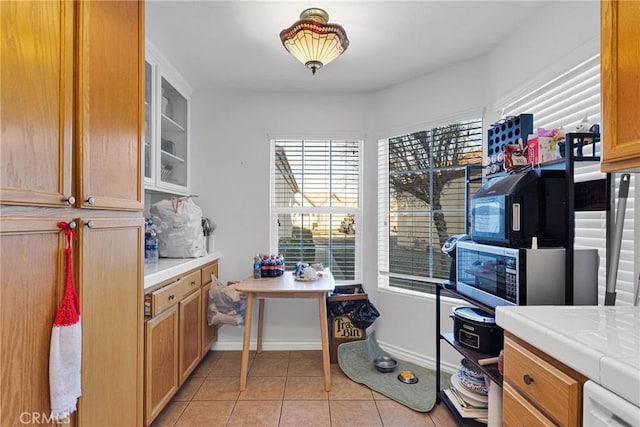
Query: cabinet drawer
x,y
171,294
552,390
518,412
207,270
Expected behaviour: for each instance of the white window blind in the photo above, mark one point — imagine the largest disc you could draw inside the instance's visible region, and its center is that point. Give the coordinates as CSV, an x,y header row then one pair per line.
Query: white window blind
x,y
422,195
316,204
563,102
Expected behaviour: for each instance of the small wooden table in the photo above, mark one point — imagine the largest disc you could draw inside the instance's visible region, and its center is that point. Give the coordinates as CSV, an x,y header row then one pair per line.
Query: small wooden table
x,y
285,286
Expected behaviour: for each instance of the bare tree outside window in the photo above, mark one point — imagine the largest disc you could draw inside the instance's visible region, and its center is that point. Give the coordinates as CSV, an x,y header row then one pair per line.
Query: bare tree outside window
x,y
427,198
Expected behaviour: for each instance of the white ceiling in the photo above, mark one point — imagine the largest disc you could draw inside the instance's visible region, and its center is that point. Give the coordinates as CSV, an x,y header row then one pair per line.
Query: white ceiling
x,y
235,45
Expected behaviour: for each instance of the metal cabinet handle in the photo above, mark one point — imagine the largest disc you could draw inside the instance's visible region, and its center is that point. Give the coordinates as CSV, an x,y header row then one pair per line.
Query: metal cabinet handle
x,y
527,379
90,200
171,297
70,200
193,283
89,224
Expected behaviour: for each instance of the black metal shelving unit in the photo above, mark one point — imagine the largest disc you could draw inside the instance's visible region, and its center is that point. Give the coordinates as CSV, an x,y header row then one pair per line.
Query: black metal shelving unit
x,y
600,195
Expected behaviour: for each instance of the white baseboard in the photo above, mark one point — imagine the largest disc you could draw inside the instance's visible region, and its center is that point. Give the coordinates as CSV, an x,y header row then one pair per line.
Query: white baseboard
x,y
400,353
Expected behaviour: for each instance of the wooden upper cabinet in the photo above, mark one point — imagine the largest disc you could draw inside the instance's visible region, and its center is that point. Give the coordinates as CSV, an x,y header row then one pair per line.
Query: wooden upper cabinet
x,y
36,92
110,100
620,32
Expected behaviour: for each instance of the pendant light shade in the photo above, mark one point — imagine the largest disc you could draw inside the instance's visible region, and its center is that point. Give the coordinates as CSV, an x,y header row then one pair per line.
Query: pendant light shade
x,y
313,41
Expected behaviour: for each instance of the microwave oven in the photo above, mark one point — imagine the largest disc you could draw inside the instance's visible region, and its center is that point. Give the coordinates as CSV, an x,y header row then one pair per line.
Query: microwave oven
x,y
495,275
505,210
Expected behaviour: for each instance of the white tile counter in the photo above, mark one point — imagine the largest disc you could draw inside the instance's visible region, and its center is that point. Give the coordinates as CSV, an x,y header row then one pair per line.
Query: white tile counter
x,y
602,343
166,268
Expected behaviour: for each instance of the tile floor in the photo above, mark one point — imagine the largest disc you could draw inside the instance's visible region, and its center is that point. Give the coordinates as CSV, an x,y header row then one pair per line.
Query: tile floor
x,y
284,388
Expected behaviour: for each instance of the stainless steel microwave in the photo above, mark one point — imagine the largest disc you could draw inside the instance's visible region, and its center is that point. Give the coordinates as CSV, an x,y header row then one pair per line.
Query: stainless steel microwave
x,y
497,276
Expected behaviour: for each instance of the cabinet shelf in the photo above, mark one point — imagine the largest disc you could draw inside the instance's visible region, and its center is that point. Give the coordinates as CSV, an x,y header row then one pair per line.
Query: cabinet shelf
x,y
171,158
169,125
490,371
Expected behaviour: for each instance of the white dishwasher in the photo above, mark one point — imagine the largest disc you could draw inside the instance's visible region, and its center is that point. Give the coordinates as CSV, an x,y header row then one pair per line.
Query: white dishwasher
x,y
604,408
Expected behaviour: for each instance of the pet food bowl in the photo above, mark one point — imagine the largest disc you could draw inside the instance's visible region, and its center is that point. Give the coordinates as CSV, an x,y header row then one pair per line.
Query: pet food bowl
x,y
385,363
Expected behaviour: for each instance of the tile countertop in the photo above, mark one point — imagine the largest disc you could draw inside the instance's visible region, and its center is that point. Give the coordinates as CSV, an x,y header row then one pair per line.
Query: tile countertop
x,y
602,343
167,268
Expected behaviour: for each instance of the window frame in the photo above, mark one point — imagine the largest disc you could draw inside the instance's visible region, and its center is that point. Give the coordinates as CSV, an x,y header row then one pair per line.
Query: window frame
x,y
275,211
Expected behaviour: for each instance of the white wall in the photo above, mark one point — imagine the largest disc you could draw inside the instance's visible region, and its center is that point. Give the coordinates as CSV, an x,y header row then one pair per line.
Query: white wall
x,y
230,168
230,172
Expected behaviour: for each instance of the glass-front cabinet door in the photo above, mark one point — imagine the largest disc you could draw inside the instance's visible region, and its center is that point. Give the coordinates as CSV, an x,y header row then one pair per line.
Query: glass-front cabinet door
x,y
174,133
166,137
148,124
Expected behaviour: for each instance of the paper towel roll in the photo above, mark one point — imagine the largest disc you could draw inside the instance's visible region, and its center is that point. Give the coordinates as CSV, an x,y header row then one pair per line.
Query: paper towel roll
x,y
495,405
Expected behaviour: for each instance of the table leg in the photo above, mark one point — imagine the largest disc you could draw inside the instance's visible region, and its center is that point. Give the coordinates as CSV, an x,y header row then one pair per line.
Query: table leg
x,y
260,318
324,339
245,342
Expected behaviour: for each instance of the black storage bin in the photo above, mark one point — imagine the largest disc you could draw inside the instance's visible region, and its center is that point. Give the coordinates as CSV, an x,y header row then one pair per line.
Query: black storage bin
x,y
349,314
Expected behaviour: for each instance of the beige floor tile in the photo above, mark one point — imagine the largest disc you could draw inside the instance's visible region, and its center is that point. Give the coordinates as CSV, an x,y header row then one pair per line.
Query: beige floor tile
x,y
394,414
264,388
169,414
352,413
378,396
204,367
227,367
345,389
210,414
310,413
220,388
188,389
253,413
306,354
281,355
305,367
441,417
235,354
269,368
305,388
336,372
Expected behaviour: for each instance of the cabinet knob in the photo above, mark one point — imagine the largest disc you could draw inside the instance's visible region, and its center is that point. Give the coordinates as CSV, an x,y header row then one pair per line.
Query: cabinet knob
x,y
171,297
89,224
70,200
72,225
90,200
527,379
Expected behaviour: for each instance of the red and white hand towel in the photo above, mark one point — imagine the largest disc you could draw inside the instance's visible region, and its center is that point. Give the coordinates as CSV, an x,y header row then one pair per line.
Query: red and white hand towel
x,y
66,344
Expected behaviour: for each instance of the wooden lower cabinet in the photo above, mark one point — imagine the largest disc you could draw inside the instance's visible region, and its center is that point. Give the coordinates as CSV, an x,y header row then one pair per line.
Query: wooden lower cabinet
x,y
190,333
30,293
108,283
175,336
161,361
539,390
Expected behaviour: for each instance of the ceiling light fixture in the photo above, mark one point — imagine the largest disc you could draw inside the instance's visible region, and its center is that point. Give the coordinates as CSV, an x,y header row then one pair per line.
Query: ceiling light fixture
x,y
313,41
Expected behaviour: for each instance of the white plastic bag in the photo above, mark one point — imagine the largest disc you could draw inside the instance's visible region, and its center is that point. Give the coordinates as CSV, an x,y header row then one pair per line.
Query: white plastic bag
x,y
179,223
226,305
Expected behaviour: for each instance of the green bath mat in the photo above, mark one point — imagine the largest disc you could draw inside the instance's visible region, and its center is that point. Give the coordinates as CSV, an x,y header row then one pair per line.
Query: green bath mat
x,y
356,361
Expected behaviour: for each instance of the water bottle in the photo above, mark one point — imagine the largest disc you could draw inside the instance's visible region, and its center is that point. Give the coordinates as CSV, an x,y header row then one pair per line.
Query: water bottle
x,y
151,244
256,267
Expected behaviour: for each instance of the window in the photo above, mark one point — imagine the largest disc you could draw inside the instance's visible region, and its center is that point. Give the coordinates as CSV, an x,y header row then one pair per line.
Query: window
x,y
563,102
316,204
423,201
